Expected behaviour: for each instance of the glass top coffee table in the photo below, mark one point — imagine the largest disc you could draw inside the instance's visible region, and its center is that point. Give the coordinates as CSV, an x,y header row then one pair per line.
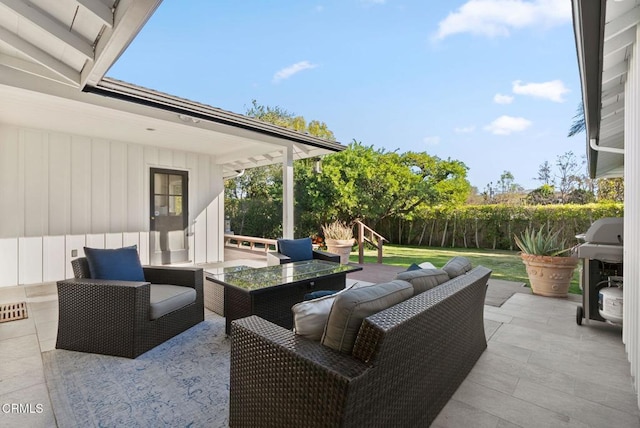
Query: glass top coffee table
x,y
271,291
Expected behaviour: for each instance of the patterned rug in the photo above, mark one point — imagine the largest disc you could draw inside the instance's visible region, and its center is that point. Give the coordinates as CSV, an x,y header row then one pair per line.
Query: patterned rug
x,y
183,382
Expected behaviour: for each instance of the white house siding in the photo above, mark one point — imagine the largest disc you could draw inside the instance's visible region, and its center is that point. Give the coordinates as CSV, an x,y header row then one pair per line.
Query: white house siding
x,y
61,192
631,321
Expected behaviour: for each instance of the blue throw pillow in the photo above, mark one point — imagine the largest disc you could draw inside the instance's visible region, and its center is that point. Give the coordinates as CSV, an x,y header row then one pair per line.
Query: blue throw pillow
x,y
296,249
318,294
121,264
413,267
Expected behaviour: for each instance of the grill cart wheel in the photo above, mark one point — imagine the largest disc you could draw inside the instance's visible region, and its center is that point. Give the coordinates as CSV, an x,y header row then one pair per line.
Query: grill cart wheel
x,y
579,315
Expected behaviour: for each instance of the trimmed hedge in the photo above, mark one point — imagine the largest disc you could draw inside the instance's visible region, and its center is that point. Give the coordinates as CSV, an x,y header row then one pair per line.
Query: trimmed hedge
x,y
492,226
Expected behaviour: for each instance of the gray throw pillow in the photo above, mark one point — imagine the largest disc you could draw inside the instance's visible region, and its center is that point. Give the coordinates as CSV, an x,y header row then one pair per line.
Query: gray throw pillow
x,y
424,279
353,306
457,266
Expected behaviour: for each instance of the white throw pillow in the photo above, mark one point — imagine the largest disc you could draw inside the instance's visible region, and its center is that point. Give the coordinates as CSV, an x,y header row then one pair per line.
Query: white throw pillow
x,y
426,265
310,316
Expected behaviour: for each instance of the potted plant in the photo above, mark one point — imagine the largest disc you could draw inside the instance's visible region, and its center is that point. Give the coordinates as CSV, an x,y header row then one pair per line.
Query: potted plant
x,y
339,239
549,262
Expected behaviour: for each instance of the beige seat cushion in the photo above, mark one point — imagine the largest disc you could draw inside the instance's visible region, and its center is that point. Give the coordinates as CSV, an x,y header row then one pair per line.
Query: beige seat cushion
x,y
310,316
168,298
353,306
457,266
423,279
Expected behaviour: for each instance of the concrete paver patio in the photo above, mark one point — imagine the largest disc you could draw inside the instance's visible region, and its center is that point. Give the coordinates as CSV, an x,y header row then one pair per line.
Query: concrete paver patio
x,y
540,369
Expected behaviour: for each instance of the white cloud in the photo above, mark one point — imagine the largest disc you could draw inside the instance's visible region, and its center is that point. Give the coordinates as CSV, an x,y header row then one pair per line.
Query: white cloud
x,y
289,71
319,8
464,129
505,125
492,18
431,141
502,99
553,90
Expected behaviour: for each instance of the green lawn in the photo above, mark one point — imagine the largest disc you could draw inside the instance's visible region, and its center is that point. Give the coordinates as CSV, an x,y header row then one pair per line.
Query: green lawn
x,y
505,265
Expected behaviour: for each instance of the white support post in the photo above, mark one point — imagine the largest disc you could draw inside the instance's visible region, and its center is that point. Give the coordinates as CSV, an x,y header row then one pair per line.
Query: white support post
x,y
287,192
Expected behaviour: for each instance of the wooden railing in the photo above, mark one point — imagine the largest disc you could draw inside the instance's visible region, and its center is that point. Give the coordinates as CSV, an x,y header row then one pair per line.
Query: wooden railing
x,y
366,234
251,240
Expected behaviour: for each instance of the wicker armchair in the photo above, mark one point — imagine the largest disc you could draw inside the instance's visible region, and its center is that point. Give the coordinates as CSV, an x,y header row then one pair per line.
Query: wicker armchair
x,y
113,317
407,362
277,258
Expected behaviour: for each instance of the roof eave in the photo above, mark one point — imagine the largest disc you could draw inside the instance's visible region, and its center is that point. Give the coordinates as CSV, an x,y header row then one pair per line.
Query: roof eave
x,y
137,94
589,14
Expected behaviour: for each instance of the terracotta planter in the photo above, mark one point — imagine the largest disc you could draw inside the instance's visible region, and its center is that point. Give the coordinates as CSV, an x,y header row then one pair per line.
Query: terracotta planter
x,y
342,247
549,276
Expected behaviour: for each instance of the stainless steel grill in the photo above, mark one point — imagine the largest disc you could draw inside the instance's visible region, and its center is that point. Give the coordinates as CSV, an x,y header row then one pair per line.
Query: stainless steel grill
x,y
601,254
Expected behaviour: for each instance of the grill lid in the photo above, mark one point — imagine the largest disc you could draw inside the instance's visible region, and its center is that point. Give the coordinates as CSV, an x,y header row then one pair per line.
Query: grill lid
x,y
608,230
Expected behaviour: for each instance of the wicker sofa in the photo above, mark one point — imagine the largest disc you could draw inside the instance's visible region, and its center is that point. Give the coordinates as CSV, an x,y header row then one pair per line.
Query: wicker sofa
x,y
407,362
113,317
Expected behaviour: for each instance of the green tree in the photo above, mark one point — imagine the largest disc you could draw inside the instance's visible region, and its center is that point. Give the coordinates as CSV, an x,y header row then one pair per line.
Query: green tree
x,y
253,201
611,189
544,174
568,174
281,117
578,123
543,195
373,184
358,183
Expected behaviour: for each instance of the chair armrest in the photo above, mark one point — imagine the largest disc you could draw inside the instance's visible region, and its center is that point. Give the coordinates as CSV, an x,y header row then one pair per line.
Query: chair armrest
x,y
270,361
274,258
323,255
87,299
183,276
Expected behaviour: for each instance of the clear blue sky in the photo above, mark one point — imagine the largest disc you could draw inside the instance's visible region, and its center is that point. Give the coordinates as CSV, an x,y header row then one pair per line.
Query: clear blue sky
x,y
492,83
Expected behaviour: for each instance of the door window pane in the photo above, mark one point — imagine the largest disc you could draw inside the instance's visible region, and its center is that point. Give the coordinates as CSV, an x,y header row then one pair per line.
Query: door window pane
x,y
175,185
175,205
161,185
161,205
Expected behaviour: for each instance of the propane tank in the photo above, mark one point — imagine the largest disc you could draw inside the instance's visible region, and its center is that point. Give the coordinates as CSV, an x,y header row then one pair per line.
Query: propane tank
x,y
610,304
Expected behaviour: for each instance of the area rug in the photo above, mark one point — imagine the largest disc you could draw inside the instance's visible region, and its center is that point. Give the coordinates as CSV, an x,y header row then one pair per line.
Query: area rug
x,y
183,382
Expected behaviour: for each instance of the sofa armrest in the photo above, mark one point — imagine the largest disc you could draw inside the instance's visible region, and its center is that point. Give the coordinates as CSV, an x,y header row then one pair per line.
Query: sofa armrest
x,y
270,364
323,255
275,258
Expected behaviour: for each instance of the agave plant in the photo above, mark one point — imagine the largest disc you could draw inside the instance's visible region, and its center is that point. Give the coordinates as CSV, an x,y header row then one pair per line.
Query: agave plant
x,y
542,242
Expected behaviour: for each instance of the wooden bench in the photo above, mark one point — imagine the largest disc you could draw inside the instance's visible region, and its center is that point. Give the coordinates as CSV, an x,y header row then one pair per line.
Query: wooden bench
x,y
251,240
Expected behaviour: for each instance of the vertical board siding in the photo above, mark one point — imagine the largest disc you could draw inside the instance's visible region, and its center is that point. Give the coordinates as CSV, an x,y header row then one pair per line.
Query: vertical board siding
x,y
113,240
95,240
118,187
100,177
77,243
59,184
61,192
35,167
9,179
137,213
53,258
30,260
200,238
80,185
631,320
143,249
8,261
